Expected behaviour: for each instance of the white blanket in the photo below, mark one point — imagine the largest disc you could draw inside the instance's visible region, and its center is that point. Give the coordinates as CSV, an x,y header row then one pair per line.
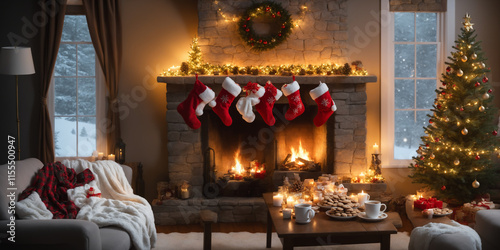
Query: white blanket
x,y
421,237
118,205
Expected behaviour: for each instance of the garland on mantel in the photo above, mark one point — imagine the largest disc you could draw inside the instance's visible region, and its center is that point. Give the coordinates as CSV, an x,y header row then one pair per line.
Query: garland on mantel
x,y
195,65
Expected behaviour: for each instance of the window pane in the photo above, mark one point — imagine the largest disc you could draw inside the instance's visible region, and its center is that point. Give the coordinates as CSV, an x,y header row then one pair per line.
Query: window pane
x,y
86,96
404,127
66,60
426,60
65,96
404,27
425,93
404,60
86,60
404,93
86,136
65,137
426,27
75,29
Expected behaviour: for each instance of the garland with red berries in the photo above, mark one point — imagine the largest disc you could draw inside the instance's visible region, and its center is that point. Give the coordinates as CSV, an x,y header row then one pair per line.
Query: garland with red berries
x,y
272,9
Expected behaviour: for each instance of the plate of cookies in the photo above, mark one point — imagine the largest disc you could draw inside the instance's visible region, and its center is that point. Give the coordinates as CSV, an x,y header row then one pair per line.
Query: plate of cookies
x,y
439,212
342,215
337,201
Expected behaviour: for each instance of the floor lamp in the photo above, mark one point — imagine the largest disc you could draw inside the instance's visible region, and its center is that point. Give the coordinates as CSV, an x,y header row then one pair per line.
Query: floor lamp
x,y
17,61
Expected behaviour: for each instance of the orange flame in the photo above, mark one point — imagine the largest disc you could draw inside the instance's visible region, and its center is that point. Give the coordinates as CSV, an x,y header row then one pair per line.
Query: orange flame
x,y
237,168
301,152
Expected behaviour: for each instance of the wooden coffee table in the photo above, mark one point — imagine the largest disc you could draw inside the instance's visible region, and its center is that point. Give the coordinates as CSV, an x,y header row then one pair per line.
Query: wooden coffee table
x,y
323,230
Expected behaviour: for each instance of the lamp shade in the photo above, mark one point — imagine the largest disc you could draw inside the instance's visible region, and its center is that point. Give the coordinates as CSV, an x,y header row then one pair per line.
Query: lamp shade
x,y
16,61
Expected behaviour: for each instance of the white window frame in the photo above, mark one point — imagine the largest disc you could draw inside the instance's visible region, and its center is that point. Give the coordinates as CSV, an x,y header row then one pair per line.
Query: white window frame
x,y
101,142
446,38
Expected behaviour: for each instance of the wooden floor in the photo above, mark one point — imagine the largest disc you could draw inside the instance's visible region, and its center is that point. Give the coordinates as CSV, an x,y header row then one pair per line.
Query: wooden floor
x,y
252,227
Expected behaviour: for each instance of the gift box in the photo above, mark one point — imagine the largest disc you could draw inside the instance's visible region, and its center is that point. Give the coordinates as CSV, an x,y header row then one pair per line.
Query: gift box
x,y
467,213
424,203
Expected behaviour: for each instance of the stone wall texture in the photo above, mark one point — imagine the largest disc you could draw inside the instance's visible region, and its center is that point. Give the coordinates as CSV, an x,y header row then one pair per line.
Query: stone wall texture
x,y
417,5
321,35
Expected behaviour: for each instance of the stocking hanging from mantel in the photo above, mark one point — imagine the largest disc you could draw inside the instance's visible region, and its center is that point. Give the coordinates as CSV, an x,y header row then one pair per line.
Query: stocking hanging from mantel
x,y
245,104
230,90
326,105
199,96
266,103
296,107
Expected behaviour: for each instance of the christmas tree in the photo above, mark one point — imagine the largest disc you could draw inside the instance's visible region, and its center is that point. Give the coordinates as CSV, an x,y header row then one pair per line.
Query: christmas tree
x,y
195,59
455,157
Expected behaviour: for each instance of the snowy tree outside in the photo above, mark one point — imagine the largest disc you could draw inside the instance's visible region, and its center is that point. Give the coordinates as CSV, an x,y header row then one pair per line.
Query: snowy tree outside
x,y
75,91
415,76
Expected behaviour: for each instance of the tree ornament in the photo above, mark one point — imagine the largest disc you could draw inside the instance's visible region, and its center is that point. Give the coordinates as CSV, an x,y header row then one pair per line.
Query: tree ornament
x,y
490,90
464,58
473,56
478,157
436,139
486,96
456,162
465,131
462,109
475,184
482,65
481,108
446,119
494,132
430,121
485,79
448,69
443,187
432,156
477,84
460,72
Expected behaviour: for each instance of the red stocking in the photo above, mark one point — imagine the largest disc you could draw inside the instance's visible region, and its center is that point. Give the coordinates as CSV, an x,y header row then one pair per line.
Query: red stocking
x,y
291,91
229,91
326,106
266,103
193,106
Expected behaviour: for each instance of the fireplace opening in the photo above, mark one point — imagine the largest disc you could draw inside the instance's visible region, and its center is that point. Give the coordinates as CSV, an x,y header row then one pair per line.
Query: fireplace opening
x,y
248,159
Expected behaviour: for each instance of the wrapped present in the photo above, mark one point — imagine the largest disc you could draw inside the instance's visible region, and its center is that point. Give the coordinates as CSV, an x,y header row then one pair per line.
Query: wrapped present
x,y
467,213
424,203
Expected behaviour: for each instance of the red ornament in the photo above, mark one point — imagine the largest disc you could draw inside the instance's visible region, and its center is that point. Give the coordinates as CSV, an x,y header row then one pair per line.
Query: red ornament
x,y
265,42
439,106
248,18
279,34
436,139
485,79
273,15
247,30
416,165
443,187
461,108
278,13
283,26
443,92
267,9
430,121
244,25
260,41
251,38
448,69
477,84
444,83
478,157
490,90
494,132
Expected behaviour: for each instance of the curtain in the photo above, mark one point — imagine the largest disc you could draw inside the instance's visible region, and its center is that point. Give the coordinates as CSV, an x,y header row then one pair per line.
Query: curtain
x,y
103,18
50,38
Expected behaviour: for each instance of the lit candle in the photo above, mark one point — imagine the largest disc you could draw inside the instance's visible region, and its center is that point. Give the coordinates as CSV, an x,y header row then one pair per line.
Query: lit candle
x,y
100,155
184,193
287,213
362,198
277,200
290,202
362,177
375,149
111,157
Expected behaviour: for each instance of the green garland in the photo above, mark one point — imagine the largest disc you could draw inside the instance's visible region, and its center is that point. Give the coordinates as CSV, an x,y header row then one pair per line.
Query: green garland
x,y
272,9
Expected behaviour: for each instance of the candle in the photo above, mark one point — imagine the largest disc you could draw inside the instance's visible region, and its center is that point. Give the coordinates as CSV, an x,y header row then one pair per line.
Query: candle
x,y
184,193
316,199
290,202
100,155
362,177
111,157
287,213
362,198
375,149
277,200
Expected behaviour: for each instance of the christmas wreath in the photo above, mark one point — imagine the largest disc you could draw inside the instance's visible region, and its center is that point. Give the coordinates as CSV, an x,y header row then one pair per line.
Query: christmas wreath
x,y
278,15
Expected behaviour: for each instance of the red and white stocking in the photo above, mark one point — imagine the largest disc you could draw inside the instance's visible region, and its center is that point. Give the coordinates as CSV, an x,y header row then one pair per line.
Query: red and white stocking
x,y
245,104
296,108
193,106
266,103
326,106
229,91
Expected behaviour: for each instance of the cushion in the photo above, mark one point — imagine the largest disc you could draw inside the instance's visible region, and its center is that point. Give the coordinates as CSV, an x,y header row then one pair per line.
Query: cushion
x,y
114,238
488,228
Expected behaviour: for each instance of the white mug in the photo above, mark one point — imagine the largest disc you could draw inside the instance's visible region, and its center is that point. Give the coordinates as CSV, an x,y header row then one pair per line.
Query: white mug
x,y
372,209
304,213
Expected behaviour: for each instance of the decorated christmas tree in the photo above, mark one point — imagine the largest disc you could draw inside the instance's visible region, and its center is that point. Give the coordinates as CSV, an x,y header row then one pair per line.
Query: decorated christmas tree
x,y
195,59
455,157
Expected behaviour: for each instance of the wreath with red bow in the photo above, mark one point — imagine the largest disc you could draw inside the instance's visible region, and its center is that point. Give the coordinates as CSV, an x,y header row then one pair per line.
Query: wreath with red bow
x,y
266,42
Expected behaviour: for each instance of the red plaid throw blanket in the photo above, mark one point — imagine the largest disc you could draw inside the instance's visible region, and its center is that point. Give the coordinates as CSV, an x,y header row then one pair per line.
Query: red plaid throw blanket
x,y
52,182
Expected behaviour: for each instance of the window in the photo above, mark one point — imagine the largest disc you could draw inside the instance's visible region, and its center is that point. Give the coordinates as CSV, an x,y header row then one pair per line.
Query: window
x,y
413,52
75,96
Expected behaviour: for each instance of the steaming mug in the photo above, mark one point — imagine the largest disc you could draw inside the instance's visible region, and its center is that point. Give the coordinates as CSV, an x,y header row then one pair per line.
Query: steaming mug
x,y
372,209
304,213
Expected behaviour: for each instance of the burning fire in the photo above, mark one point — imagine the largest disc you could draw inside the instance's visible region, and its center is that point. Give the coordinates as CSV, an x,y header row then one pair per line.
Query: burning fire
x,y
302,153
237,168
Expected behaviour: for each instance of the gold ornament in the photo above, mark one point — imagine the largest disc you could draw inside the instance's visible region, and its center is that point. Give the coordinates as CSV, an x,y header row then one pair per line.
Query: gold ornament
x,y
482,65
481,108
486,96
473,56
460,72
432,156
475,184
464,58
456,162
465,131
446,119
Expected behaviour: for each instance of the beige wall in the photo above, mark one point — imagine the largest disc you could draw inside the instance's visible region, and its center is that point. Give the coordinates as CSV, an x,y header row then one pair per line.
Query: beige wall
x,y
157,35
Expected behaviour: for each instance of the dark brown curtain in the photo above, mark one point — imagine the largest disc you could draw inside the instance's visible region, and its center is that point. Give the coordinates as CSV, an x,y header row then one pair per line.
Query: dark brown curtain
x,y
50,38
103,18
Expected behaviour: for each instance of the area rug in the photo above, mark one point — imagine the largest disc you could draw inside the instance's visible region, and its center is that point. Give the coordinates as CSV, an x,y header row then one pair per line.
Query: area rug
x,y
245,240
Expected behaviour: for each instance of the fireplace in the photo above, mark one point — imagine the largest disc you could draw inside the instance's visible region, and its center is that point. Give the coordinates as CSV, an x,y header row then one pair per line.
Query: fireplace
x,y
338,146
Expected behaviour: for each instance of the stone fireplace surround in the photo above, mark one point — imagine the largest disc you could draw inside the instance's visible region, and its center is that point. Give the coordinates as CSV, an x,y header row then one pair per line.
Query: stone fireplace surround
x,y
185,155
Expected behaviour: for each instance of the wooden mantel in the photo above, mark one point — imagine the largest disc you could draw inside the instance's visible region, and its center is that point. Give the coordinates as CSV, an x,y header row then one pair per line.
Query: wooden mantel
x,y
262,79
